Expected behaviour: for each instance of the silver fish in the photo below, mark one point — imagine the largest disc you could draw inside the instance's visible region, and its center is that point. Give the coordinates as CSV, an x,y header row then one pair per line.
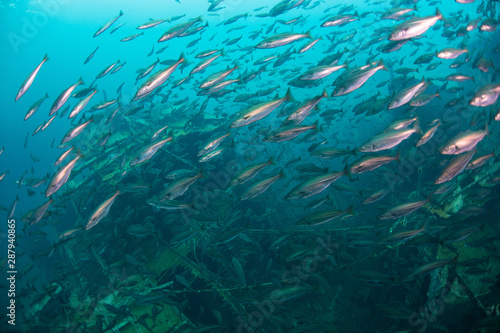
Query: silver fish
x,y
35,107
216,77
63,97
304,109
63,156
90,56
281,40
368,163
157,133
387,140
39,212
289,132
147,152
356,78
204,63
314,185
479,161
261,186
178,188
415,26
429,134
107,25
101,211
61,176
339,20
178,30
450,53
74,132
151,24
259,111
29,80
157,79
212,145
463,142
249,172
455,167
403,209
486,96
325,216
131,37
81,105
376,196
320,72
405,95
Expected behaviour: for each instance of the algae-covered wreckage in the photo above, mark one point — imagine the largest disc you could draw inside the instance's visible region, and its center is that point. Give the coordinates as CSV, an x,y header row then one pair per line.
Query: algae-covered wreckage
x,y
200,265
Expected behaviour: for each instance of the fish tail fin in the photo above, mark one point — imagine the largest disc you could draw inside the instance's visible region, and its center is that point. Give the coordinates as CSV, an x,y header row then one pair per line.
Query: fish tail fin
x,y
316,126
441,17
121,13
182,58
288,96
398,156
350,210
79,153
324,94
438,95
222,53
415,8
80,81
416,126
308,34
381,63
486,128
46,57
347,171
271,161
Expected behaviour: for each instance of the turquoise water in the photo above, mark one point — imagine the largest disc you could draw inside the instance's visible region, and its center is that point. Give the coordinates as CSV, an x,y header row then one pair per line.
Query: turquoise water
x,y
269,263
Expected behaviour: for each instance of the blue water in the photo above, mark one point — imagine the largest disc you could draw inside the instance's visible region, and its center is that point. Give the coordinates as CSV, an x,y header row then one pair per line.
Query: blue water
x,y
63,30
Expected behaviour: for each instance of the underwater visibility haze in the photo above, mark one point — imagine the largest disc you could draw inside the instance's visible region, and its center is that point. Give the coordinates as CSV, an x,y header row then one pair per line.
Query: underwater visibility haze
x,y
250,166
